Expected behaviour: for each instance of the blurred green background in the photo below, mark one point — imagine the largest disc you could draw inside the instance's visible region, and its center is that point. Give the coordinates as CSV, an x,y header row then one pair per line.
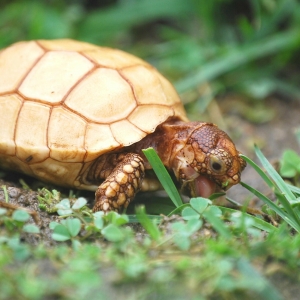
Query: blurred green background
x,y
244,47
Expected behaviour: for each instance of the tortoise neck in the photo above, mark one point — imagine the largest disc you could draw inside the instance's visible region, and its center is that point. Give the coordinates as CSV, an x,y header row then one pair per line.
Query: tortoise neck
x,y
167,140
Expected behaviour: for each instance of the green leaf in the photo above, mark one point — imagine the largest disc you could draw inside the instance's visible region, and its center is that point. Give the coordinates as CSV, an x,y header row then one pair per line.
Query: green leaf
x,y
61,233
178,210
178,226
79,203
31,228
76,244
200,204
99,223
163,176
189,214
20,215
98,214
215,210
289,164
63,204
193,225
3,211
112,233
116,219
64,207
182,241
73,225
53,224
211,215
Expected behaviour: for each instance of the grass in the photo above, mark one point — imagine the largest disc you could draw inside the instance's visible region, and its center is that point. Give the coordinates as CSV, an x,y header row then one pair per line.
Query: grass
x,y
223,42
221,248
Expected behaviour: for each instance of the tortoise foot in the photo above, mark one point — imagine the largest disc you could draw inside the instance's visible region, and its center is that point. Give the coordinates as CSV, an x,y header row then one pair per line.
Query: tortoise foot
x,y
121,186
105,205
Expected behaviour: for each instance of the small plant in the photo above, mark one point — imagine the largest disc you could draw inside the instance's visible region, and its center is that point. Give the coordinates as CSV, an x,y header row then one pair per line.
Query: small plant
x,y
80,219
287,204
48,200
290,165
13,225
198,207
66,208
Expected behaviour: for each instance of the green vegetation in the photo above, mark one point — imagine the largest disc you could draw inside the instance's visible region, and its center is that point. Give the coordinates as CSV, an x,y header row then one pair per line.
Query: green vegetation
x,y
250,48
214,251
200,250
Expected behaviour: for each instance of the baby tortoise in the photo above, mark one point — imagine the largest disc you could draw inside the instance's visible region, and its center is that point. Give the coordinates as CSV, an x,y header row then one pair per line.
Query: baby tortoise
x,y
79,115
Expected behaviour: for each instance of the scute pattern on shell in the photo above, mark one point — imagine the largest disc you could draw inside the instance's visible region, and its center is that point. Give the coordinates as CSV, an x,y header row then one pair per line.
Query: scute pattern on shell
x,y
63,103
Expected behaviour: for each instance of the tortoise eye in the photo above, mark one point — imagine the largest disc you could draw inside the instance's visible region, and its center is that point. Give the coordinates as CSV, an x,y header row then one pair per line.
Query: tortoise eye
x,y
216,164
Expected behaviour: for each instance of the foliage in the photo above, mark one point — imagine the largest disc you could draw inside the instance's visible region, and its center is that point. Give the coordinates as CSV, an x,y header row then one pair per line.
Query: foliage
x,y
14,225
287,205
178,255
216,246
290,164
246,47
249,48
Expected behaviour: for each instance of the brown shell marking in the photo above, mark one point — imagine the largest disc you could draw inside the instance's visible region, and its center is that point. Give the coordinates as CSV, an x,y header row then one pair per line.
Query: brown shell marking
x,y
63,103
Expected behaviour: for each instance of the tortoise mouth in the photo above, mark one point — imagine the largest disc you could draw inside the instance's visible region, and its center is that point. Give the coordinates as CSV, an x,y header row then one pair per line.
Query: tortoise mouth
x,y
204,187
200,187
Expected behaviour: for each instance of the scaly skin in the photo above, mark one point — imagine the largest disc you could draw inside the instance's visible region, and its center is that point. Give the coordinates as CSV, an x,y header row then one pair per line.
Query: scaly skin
x,y
122,184
200,154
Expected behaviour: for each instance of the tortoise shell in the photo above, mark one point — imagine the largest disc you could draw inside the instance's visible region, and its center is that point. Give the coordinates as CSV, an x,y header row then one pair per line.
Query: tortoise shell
x,y
63,103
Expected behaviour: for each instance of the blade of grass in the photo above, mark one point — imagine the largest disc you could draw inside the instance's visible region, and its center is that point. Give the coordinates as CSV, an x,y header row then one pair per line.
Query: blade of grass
x,y
216,196
294,189
237,56
266,290
282,191
154,218
217,224
163,176
127,14
5,193
260,172
274,175
258,223
285,196
273,206
147,223
235,203
178,209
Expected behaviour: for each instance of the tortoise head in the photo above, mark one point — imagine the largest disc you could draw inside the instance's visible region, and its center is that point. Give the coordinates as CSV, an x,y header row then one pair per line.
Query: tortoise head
x,y
209,159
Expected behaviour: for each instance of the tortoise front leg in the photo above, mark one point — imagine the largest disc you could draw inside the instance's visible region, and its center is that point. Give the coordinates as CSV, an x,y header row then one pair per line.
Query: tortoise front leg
x,y
121,186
